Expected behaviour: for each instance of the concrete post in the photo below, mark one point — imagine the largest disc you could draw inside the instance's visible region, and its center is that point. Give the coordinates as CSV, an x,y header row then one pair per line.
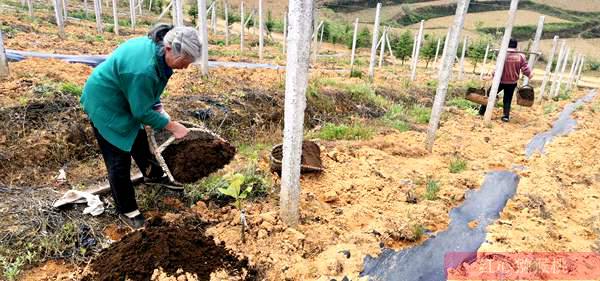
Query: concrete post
x,y
179,10
581,65
387,39
413,75
444,50
562,73
213,16
98,14
59,18
576,58
500,61
382,50
30,8
3,61
295,103
484,64
285,30
535,47
203,35
261,32
243,26
445,72
353,55
548,66
437,51
115,17
559,61
132,15
226,7
461,73
374,43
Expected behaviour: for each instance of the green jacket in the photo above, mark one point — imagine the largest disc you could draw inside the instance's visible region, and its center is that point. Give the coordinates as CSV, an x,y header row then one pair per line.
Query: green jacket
x,y
119,95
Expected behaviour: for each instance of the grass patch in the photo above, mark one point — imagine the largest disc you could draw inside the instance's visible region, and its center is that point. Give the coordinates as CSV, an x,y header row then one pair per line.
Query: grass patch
x,y
71,89
549,108
355,73
564,94
344,132
457,165
420,114
363,92
251,151
418,232
431,190
395,117
469,107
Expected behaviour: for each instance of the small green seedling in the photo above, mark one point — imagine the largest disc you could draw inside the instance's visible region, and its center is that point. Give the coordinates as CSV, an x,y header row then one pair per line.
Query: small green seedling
x,y
235,191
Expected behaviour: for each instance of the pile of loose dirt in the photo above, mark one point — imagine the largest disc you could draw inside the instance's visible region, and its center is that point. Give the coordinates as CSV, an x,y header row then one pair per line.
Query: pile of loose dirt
x,y
197,155
170,247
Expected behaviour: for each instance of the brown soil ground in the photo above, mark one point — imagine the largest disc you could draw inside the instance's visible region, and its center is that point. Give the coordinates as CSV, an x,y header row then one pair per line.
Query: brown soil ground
x,y
372,192
557,198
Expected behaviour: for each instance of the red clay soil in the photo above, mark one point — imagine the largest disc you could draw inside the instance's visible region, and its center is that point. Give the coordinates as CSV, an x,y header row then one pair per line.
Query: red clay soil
x,y
196,156
170,247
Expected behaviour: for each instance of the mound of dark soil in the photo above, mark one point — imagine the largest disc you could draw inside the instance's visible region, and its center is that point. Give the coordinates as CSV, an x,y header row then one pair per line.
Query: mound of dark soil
x,y
170,247
197,155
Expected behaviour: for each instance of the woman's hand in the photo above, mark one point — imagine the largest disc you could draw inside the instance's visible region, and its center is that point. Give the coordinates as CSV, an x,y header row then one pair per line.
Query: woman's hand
x,y
178,130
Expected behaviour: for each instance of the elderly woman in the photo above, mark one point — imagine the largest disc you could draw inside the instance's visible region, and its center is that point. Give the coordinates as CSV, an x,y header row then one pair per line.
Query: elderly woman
x,y
122,95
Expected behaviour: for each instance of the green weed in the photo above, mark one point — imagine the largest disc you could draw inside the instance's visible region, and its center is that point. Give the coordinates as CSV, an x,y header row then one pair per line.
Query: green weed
x,y
345,132
420,114
457,165
465,105
71,89
432,189
356,73
418,231
395,117
549,108
12,269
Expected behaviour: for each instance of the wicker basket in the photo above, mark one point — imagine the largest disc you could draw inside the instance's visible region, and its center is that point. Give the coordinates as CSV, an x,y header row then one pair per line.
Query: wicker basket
x,y
277,155
477,95
525,96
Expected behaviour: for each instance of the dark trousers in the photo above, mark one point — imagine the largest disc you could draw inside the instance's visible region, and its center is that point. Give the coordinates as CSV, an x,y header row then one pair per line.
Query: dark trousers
x,y
509,90
118,165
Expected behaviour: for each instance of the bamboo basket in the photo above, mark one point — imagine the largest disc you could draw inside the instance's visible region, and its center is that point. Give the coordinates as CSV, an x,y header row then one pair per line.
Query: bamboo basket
x,y
525,96
277,155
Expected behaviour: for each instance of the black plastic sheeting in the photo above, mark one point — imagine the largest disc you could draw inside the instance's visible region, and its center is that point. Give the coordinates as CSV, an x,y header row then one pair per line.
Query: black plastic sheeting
x,y
562,126
427,262
449,249
93,61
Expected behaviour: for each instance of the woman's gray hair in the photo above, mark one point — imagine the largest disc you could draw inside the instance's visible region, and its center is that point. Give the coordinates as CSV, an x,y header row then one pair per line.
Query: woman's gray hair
x,y
183,40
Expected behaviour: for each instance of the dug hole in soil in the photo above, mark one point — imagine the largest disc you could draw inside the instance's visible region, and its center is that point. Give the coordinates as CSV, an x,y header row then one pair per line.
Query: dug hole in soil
x,y
175,248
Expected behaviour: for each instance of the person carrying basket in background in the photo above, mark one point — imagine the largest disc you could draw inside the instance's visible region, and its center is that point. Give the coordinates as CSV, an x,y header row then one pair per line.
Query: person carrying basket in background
x,y
123,93
514,64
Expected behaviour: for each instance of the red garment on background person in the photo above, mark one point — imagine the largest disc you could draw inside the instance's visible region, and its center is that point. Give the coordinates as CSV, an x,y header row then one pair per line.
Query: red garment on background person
x,y
513,65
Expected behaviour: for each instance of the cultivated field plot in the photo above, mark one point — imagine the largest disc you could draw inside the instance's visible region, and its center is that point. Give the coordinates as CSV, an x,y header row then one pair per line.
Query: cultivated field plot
x,y
490,19
578,5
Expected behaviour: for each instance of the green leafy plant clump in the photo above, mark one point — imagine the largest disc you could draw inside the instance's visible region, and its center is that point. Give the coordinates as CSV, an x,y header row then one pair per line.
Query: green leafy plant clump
x,y
457,165
431,190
